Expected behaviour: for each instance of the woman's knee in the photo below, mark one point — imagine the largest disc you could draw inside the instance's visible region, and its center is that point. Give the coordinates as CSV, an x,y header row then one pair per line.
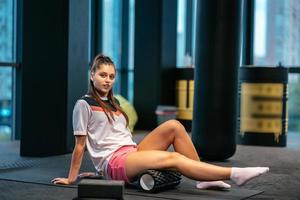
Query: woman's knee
x,y
175,125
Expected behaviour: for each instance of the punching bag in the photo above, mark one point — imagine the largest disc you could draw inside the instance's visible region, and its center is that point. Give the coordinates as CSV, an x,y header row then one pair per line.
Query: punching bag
x,y
216,78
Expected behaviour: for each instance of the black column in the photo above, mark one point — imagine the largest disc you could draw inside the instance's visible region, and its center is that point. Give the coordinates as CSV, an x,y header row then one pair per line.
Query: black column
x,y
54,55
216,75
248,32
189,27
78,59
41,82
168,52
96,27
155,58
125,54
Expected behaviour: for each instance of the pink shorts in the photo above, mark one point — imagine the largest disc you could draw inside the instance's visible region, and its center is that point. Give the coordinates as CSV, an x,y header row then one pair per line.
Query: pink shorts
x,y
116,165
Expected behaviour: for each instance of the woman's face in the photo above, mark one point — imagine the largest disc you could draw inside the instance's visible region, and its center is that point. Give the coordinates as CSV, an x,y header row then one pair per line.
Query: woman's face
x,y
103,79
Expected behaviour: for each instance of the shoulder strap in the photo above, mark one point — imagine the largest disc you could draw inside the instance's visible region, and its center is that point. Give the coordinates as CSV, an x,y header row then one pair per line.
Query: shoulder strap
x,y
90,101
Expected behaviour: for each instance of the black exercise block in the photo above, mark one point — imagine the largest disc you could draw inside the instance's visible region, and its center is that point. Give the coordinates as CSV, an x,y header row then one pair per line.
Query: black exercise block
x,y
93,188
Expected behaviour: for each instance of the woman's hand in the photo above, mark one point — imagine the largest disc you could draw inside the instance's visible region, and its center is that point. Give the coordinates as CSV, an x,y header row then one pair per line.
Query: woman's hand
x,y
75,162
62,181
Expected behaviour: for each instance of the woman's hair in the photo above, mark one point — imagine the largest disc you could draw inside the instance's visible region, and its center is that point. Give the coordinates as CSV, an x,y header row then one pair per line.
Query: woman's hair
x,y
99,60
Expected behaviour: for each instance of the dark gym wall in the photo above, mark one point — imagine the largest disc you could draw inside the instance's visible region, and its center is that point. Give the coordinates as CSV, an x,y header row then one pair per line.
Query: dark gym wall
x,y
41,81
155,58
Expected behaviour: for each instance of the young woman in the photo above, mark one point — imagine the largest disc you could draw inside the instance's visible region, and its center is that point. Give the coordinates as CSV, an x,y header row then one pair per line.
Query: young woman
x,y
100,125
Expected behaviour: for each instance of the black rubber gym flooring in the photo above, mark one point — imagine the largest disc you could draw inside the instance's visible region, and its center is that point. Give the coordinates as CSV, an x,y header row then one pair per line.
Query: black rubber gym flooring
x,y
29,178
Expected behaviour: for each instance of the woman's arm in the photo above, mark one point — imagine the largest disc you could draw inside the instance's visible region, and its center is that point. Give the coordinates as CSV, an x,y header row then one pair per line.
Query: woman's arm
x,y
75,163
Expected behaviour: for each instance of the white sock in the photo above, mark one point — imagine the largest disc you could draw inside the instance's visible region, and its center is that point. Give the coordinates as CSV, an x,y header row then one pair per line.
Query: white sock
x,y
212,185
242,175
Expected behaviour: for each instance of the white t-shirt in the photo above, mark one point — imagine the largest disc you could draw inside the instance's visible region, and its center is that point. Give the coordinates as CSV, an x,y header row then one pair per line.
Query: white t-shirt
x,y
103,138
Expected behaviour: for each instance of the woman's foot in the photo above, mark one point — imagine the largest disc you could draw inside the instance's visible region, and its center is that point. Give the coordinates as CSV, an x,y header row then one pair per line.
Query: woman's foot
x,y
219,185
242,175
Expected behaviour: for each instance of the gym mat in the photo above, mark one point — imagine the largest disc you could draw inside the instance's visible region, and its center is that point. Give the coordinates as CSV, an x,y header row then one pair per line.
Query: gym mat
x,y
43,170
11,190
186,190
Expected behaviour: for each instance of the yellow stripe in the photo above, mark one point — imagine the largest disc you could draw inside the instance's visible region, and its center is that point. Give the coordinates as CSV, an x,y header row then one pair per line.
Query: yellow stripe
x,y
185,112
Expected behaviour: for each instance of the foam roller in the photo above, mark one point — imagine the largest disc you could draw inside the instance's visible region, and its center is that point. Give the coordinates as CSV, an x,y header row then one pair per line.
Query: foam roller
x,y
93,188
158,180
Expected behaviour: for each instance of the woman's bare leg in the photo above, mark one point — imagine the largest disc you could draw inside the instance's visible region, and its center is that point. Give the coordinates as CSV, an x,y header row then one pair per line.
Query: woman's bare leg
x,y
151,154
138,161
169,133
173,133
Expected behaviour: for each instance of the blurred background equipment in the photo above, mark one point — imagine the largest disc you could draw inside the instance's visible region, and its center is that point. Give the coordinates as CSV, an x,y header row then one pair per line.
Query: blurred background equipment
x,y
129,110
